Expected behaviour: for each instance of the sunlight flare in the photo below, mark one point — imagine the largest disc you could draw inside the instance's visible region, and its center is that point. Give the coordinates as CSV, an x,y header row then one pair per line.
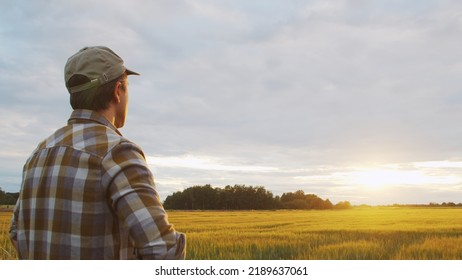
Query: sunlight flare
x,y
381,177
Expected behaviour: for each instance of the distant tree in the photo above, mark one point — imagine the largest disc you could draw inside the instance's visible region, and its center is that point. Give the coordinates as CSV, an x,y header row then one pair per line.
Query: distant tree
x,y
342,205
174,201
314,202
277,202
444,204
237,197
7,198
296,204
300,200
15,195
328,204
286,197
242,197
193,198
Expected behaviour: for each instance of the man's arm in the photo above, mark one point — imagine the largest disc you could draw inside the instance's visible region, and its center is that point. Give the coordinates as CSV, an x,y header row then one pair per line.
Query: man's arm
x,y
15,244
134,198
13,227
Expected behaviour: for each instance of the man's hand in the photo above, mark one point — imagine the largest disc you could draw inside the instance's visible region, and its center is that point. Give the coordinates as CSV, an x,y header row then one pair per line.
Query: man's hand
x,y
15,244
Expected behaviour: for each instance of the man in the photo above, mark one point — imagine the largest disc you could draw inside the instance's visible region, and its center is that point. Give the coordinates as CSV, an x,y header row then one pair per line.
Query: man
x,y
87,192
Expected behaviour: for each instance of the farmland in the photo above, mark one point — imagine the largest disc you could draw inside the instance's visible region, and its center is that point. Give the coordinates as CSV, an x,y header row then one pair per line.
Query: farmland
x,y
379,233
7,251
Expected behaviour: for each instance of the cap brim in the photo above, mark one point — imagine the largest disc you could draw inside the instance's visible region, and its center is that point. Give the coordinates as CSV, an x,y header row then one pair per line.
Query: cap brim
x,y
130,72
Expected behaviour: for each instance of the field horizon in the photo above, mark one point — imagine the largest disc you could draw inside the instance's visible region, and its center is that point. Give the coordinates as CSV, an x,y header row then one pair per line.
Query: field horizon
x,y
359,233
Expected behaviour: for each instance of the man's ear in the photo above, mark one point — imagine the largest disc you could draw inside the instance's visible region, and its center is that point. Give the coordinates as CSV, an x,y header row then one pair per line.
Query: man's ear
x,y
117,93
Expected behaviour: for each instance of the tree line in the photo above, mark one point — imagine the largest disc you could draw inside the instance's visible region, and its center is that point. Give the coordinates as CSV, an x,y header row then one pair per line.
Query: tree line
x,y
7,198
241,197
431,204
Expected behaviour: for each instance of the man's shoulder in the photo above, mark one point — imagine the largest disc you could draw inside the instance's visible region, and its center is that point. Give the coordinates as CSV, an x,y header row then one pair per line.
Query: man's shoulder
x,y
97,139
92,138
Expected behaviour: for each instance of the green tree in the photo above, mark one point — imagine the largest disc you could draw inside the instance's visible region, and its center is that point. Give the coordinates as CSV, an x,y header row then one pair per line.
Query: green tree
x,y
242,197
7,198
342,205
300,200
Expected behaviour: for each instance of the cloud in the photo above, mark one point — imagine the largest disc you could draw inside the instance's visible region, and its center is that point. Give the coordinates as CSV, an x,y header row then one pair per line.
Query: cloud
x,y
201,163
438,181
308,90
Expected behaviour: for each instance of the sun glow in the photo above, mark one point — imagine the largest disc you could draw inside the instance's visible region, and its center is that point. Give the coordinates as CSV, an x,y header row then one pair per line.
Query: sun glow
x,y
381,177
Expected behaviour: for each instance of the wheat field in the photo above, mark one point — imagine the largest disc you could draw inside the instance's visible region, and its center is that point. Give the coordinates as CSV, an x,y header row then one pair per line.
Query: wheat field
x,y
377,233
7,252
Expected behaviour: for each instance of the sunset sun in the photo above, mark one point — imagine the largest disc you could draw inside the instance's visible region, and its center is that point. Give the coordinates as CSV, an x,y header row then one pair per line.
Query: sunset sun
x,y
377,178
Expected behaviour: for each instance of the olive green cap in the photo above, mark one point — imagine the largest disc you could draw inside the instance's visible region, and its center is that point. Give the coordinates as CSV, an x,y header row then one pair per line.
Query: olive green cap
x,y
99,64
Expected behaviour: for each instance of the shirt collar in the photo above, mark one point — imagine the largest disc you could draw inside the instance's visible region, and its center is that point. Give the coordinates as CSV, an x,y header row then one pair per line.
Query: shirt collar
x,y
83,115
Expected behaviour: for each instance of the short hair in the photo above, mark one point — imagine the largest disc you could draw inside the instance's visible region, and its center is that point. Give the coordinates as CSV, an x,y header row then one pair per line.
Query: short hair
x,y
95,99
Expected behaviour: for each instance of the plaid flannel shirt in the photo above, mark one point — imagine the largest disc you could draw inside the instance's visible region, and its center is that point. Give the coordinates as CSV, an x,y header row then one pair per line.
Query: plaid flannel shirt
x,y
87,193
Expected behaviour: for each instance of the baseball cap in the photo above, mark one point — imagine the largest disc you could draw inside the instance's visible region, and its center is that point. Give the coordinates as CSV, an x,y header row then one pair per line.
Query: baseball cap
x,y
99,64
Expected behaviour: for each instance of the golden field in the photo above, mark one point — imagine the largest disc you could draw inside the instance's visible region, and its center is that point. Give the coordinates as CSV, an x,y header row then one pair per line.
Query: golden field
x,y
7,251
377,233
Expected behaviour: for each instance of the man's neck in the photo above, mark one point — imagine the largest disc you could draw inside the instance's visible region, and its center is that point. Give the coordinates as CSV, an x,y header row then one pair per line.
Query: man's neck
x,y
109,114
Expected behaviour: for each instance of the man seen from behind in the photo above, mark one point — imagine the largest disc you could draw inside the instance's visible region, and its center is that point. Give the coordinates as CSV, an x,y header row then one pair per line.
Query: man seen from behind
x,y
87,192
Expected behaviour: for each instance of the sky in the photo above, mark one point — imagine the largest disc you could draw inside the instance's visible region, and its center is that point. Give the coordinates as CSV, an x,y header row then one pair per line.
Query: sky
x,y
357,100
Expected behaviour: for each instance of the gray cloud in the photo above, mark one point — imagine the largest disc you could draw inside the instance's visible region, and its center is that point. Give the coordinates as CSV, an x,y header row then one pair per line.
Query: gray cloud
x,y
293,86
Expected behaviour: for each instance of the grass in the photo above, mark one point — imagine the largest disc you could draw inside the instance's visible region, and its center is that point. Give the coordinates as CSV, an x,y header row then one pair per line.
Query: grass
x,y
378,233
7,251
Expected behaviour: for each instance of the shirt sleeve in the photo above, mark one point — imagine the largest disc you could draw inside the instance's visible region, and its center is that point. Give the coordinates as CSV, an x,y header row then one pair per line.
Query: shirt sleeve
x,y
133,197
14,222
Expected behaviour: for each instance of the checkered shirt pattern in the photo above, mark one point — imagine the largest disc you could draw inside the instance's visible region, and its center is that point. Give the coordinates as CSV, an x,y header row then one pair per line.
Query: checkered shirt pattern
x,y
87,193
